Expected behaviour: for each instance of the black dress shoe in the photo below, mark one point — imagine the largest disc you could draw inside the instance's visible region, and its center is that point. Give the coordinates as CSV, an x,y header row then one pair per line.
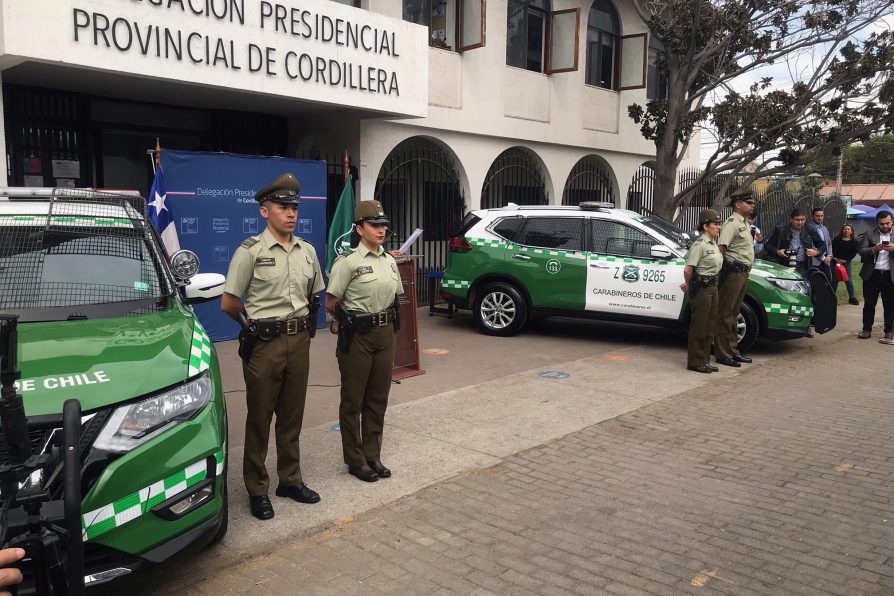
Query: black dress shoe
x,y
700,368
741,358
379,468
729,362
299,492
261,507
713,368
364,473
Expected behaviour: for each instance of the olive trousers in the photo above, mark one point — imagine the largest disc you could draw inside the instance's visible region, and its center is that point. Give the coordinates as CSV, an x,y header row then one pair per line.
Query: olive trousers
x,y
731,294
275,383
365,384
701,325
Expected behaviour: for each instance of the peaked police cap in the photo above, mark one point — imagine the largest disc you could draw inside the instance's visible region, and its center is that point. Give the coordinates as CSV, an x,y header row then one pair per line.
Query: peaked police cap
x,y
370,211
282,190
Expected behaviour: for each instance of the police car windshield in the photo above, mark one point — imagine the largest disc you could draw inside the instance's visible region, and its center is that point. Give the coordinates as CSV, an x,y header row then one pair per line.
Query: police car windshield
x,y
666,229
57,272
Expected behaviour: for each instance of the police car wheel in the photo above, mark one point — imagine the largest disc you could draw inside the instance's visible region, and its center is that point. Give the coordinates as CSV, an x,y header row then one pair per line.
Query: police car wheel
x,y
746,327
500,310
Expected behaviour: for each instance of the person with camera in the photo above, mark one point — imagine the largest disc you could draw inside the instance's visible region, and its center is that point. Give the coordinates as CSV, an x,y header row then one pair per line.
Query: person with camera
x,y
703,262
737,247
795,245
845,246
363,297
280,277
877,274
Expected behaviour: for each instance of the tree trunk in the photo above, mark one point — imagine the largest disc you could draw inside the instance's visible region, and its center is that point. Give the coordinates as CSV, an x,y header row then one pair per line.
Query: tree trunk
x,y
665,182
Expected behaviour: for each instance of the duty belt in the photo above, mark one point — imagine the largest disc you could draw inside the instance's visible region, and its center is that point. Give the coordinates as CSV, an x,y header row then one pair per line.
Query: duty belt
x,y
268,328
707,280
375,319
737,267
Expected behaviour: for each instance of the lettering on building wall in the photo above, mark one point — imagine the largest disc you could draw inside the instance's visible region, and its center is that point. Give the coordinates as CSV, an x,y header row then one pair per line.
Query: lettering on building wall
x,y
294,26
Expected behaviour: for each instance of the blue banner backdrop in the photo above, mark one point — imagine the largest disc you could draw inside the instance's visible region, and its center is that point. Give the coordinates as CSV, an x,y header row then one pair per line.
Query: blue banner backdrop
x,y
212,199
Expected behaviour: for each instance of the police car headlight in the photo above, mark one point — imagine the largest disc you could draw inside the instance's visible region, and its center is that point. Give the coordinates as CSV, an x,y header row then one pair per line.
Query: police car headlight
x,y
791,285
132,425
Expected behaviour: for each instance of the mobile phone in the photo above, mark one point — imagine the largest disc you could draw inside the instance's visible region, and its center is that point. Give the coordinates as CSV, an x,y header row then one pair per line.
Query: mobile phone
x,y
885,243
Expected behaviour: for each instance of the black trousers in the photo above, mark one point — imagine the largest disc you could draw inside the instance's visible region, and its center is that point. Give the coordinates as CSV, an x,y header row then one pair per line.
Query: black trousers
x,y
879,283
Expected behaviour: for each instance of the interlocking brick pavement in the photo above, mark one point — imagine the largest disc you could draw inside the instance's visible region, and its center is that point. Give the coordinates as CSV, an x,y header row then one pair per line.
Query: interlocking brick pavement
x,y
777,481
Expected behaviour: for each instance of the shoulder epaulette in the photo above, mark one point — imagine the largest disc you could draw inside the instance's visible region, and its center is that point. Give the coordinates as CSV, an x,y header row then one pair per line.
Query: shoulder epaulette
x,y
308,242
249,242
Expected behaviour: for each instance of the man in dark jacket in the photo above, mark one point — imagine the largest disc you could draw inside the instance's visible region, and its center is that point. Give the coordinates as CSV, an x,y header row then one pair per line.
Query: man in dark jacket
x,y
796,243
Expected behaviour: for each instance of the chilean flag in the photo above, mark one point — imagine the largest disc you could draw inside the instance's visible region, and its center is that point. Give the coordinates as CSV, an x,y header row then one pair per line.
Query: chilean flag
x,y
160,215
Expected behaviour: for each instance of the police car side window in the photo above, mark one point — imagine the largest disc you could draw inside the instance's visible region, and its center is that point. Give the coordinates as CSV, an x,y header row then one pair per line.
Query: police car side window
x,y
615,238
507,227
564,233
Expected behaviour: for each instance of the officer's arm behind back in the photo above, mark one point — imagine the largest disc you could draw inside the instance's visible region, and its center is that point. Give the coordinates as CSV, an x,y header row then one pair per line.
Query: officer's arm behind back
x,y
238,280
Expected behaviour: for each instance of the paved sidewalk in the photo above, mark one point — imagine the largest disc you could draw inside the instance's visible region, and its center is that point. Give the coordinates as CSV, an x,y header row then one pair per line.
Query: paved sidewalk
x,y
777,480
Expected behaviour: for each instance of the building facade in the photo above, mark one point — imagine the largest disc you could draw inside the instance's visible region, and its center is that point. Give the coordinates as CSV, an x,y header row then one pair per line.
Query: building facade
x,y
443,105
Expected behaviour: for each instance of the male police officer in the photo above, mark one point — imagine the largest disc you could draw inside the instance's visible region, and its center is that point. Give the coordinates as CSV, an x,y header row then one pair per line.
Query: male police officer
x,y
279,275
735,243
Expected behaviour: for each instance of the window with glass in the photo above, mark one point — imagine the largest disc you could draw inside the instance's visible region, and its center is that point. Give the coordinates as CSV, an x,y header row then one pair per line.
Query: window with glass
x,y
526,33
560,233
440,18
618,239
656,82
603,34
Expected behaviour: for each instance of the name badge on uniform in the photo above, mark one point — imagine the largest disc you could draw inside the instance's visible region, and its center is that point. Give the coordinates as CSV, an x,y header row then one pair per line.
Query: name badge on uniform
x,y
265,262
310,261
363,270
394,267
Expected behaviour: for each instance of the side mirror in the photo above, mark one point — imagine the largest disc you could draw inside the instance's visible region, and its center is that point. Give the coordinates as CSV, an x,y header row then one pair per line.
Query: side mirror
x,y
659,251
203,287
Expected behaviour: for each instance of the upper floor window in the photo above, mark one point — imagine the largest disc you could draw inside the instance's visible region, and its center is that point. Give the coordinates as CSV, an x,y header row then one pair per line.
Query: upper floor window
x,y
526,33
656,83
603,32
440,18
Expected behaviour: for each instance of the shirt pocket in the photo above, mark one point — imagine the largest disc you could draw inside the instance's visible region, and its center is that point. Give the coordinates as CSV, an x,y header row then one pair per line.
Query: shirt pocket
x,y
266,274
302,268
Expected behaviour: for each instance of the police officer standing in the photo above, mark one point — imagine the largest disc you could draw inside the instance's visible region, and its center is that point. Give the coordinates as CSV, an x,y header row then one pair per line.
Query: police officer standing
x,y
736,245
362,294
702,268
280,277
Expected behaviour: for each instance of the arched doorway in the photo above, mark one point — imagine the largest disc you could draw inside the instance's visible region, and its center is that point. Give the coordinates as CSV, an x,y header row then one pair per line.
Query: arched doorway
x,y
514,177
418,187
591,179
640,193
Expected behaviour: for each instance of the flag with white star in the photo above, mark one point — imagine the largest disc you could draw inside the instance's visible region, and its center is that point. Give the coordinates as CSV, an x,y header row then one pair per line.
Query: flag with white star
x,y
160,215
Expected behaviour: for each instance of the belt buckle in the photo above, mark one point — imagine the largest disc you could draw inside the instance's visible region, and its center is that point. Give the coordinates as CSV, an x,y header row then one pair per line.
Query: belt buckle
x,y
291,326
380,319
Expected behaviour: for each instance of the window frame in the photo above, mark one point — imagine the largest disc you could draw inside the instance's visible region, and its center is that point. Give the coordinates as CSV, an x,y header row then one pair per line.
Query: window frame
x,y
459,27
644,80
548,69
547,23
616,62
661,79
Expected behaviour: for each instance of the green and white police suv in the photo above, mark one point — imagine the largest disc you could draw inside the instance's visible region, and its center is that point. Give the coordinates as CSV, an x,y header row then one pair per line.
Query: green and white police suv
x,y
596,261
105,317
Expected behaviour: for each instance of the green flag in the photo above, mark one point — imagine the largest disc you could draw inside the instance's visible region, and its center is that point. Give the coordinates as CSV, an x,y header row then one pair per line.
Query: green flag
x,y
341,226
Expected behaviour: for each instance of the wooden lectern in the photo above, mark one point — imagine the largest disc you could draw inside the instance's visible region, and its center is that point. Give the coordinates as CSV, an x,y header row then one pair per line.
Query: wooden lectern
x,y
406,350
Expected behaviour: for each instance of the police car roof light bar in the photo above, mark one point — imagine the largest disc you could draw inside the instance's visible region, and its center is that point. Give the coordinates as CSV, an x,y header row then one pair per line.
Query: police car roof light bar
x,y
596,205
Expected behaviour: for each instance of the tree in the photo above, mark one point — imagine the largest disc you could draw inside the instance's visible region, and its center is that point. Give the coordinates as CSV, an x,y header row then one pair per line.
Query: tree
x,y
871,162
844,94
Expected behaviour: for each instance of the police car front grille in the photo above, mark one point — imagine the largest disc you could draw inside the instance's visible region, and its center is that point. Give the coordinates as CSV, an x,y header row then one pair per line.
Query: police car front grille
x,y
36,437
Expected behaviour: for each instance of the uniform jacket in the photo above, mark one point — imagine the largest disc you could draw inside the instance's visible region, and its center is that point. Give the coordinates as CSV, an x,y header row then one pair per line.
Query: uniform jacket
x,y
868,257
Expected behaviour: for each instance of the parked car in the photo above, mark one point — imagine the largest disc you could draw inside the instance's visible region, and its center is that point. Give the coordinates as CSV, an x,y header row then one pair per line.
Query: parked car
x,y
104,316
595,261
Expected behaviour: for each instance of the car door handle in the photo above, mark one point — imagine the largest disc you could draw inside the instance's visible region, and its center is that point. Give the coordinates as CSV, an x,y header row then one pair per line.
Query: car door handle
x,y
600,266
521,257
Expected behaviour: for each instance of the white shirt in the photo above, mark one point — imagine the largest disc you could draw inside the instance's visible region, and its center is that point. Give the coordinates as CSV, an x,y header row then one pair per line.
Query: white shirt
x,y
883,259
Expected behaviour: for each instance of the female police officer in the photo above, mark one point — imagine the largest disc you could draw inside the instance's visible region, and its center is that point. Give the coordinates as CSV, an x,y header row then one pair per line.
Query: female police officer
x,y
702,268
362,294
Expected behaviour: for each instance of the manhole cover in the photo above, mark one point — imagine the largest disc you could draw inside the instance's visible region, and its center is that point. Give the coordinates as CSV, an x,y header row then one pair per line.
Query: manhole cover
x,y
553,374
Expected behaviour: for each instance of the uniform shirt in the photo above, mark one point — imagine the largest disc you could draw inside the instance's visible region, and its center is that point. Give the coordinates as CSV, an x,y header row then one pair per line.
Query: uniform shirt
x,y
705,256
365,281
736,236
275,283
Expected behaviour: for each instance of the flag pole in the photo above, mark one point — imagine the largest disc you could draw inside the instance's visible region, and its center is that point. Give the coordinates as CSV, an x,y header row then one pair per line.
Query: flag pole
x,y
346,166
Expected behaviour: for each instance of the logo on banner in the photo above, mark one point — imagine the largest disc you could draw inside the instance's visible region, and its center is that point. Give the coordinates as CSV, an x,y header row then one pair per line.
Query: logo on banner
x,y
221,254
189,225
630,273
553,266
250,225
305,226
220,225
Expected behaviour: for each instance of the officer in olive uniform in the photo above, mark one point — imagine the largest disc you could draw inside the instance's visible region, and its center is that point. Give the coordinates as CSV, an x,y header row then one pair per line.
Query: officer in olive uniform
x,y
735,243
279,275
362,293
702,268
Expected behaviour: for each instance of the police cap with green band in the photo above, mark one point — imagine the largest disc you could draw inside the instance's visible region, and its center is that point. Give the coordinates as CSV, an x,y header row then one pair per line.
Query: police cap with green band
x,y
741,195
284,189
370,211
708,216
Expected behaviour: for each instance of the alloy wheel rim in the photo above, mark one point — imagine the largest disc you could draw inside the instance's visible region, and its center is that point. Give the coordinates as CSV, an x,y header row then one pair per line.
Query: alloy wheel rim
x,y
497,310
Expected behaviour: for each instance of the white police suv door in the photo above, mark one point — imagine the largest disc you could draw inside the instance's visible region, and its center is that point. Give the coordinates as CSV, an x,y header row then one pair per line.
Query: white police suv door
x,y
624,278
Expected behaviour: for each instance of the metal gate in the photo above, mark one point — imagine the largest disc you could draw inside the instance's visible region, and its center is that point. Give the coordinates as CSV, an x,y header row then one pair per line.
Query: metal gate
x,y
590,180
419,188
641,191
514,177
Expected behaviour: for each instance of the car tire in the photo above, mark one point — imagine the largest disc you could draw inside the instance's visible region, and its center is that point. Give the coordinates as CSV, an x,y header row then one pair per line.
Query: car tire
x,y
747,327
500,310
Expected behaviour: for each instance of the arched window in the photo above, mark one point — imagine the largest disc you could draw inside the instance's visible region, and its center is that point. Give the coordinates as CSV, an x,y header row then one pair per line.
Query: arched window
x,y
603,33
440,18
526,33
656,83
